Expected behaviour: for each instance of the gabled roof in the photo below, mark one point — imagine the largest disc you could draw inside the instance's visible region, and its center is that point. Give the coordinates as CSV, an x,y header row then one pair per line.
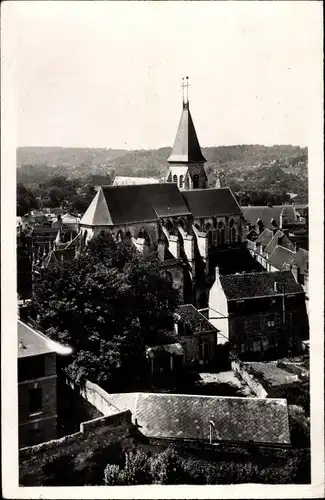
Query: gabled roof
x,y
179,416
254,285
280,257
264,238
265,214
301,258
211,202
195,320
285,241
186,147
115,205
45,231
234,260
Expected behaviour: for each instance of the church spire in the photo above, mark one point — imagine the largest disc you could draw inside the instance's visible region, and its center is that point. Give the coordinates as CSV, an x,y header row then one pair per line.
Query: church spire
x,y
186,147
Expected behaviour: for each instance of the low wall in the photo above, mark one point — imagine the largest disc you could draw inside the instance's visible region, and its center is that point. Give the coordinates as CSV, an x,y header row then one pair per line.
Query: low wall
x,y
252,383
72,460
96,396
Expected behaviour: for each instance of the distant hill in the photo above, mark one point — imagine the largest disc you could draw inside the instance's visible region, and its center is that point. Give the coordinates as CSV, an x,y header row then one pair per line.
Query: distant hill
x,y
278,168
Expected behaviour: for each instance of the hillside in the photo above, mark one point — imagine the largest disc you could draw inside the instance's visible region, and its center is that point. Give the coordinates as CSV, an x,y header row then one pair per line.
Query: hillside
x,y
277,169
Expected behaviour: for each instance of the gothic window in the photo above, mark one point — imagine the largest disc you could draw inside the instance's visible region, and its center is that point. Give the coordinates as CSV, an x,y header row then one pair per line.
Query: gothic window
x,y
210,239
169,226
175,178
220,234
144,234
128,235
181,181
187,182
182,223
195,181
233,235
169,179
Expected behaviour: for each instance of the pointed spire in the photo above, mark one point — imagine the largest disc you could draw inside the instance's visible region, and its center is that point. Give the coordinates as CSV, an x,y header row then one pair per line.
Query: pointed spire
x,y
186,148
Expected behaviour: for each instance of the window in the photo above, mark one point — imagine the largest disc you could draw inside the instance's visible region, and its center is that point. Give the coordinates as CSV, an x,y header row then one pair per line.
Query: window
x,y
270,320
195,181
256,346
35,401
181,182
175,178
242,347
204,349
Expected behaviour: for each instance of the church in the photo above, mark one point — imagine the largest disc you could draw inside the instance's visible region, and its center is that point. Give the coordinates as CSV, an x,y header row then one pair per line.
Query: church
x,y
192,228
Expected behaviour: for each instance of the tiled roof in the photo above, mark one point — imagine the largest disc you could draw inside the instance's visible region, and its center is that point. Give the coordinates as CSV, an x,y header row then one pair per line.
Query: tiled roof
x,y
266,214
211,202
280,257
301,258
31,342
252,285
114,205
178,416
195,320
186,147
45,231
265,237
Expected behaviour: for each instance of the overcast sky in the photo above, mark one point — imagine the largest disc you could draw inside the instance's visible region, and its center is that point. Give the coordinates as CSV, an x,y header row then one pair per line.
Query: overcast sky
x,y
108,74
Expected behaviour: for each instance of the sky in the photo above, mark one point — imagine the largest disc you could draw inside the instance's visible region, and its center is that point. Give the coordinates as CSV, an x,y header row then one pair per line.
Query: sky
x,y
108,74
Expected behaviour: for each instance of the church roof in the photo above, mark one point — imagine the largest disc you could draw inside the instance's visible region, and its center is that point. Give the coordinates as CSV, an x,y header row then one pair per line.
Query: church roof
x,y
115,205
186,147
211,202
265,214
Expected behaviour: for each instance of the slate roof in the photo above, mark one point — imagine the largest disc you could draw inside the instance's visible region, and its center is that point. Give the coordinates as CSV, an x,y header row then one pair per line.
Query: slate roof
x,y
301,258
236,419
275,241
253,285
266,214
194,320
31,342
211,202
115,205
280,257
264,238
41,232
186,146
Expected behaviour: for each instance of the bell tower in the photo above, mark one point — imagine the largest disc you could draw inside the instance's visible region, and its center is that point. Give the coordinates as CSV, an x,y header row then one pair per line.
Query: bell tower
x,y
186,161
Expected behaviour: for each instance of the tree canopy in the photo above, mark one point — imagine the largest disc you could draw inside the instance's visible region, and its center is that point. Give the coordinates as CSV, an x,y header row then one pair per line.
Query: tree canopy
x,y
108,304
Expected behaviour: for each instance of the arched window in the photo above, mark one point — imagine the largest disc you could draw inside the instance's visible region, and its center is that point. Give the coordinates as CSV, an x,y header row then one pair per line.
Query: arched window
x,y
195,181
208,226
210,239
128,235
182,223
181,181
175,178
233,235
220,234
144,234
84,238
169,226
187,182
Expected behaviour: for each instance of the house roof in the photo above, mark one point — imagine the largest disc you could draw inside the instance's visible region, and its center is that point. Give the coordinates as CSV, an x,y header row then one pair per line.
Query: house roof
x,y
236,419
280,257
264,238
45,231
253,285
266,214
301,258
136,203
121,180
275,241
211,202
31,342
186,146
195,320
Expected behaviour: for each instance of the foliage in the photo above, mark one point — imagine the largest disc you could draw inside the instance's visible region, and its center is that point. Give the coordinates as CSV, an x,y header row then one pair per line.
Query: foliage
x,y
26,200
296,393
109,305
136,470
167,468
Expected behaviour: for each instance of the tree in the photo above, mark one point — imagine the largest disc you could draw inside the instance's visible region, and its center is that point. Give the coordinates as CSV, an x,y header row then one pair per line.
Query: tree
x,y
26,201
136,470
109,305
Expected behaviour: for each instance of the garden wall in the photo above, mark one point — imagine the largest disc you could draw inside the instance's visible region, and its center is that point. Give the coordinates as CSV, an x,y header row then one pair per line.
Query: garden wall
x,y
72,459
250,380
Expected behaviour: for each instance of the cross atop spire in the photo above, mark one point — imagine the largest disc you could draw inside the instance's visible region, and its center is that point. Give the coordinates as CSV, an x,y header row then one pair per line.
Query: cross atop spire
x,y
185,86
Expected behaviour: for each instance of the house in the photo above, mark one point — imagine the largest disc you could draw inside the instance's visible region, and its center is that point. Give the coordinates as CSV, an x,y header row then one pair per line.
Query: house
x,y
37,380
196,343
270,216
166,418
259,312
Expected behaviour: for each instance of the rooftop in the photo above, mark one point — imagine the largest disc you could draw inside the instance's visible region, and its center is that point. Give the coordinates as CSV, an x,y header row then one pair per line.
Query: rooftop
x,y
266,214
236,419
114,205
31,342
264,238
281,257
211,202
253,285
195,320
121,180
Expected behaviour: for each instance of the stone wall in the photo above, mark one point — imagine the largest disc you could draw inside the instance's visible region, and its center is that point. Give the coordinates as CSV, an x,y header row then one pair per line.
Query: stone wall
x,y
252,383
76,459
